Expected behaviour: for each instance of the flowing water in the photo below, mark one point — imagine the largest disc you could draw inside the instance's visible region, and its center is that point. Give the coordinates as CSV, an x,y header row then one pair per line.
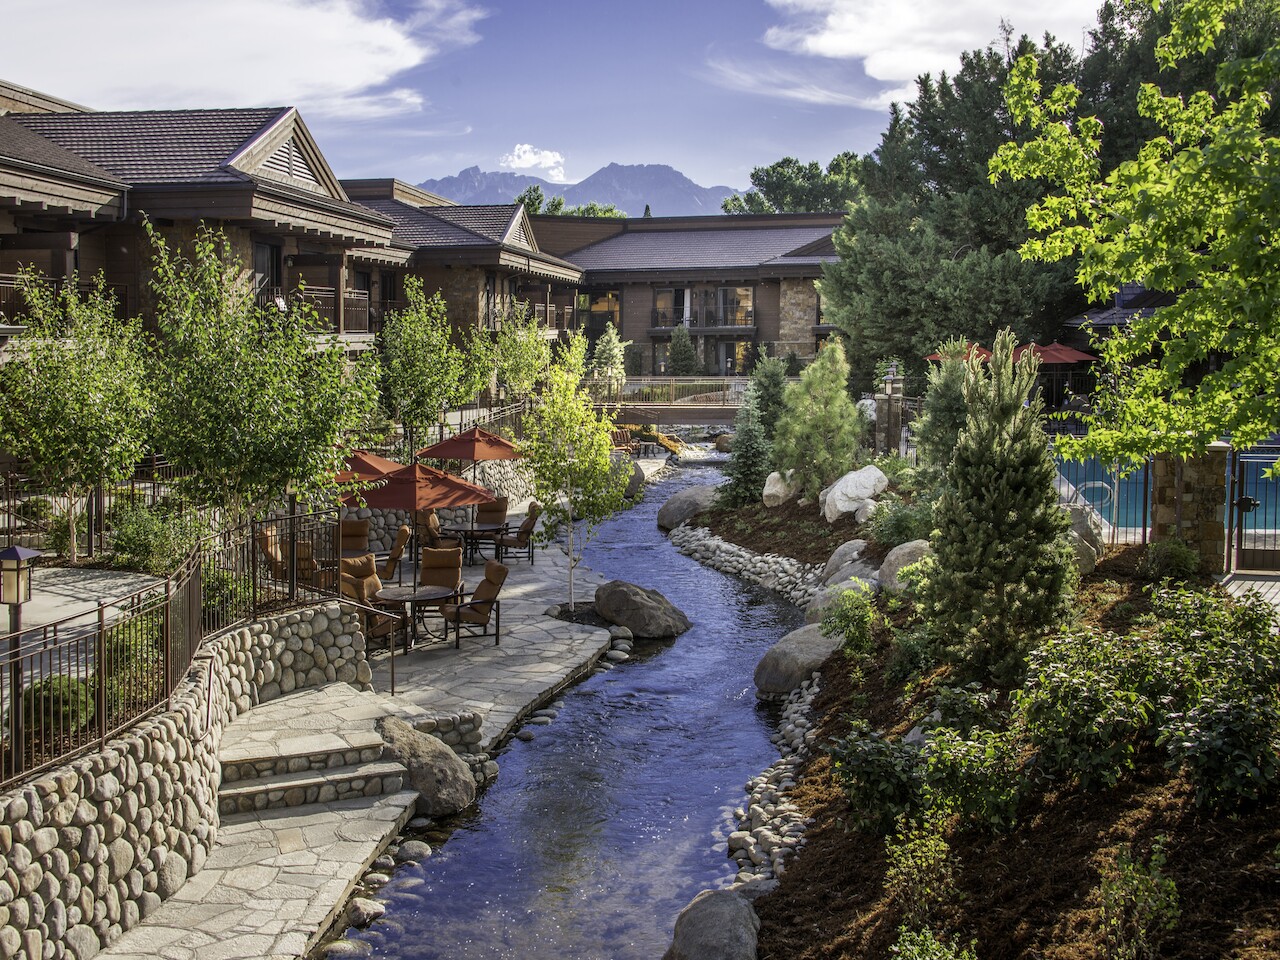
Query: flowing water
x,y
598,831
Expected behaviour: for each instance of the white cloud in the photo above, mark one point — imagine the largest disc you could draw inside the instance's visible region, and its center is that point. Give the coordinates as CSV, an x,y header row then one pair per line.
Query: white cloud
x,y
329,58
898,41
799,86
526,156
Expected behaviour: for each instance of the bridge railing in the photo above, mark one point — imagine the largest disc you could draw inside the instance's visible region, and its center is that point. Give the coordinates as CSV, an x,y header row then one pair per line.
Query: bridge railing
x,y
671,391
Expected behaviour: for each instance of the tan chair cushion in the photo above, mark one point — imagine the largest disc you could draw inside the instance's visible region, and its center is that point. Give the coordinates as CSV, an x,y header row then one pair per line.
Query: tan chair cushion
x,y
441,567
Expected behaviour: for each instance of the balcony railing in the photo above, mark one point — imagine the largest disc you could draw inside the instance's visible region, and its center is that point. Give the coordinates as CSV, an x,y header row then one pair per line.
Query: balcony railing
x,y
358,315
703,318
13,305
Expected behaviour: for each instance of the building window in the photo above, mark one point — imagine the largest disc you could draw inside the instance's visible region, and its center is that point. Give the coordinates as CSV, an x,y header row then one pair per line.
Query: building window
x,y
267,269
735,305
602,306
671,306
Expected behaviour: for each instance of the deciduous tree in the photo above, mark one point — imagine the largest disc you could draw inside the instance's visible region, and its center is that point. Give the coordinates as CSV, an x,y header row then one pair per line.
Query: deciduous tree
x,y
522,353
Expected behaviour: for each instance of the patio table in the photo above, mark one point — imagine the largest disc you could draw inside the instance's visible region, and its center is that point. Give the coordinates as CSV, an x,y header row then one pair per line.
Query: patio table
x,y
411,597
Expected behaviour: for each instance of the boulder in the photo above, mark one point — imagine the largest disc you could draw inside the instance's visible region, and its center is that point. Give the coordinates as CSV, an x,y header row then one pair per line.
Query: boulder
x,y
853,570
1088,526
847,494
724,443
716,925
868,408
646,613
635,485
866,510
792,660
444,782
684,505
898,558
778,489
1086,557
815,608
844,554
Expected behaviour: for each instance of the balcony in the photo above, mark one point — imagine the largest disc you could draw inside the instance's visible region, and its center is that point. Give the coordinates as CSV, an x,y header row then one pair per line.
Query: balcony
x,y
707,321
357,317
13,305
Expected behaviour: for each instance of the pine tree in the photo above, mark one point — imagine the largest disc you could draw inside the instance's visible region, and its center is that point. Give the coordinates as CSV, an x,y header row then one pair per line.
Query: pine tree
x,y
770,381
1001,573
608,359
944,413
749,463
820,429
683,361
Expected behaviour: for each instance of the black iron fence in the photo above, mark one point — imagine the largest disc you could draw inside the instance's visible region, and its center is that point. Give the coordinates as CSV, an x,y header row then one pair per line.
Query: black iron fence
x,y
1122,503
1253,522
70,685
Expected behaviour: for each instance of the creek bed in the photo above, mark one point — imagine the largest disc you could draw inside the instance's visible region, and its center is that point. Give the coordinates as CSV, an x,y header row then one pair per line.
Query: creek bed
x,y
600,829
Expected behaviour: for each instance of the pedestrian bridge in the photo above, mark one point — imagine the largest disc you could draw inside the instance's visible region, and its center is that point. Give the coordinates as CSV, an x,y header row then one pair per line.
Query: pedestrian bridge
x,y
671,400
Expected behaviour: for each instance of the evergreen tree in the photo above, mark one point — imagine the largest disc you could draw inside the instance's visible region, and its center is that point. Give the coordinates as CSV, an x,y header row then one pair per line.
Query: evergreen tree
x,y
608,359
749,463
769,379
683,361
820,429
1001,573
944,413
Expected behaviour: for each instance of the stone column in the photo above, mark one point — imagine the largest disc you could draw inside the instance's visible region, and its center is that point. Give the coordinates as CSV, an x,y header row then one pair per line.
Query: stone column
x,y
1189,501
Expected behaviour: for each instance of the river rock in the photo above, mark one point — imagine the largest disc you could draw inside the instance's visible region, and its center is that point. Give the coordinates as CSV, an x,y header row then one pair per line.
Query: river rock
x,y
1088,538
685,505
849,493
361,911
724,443
778,489
443,780
635,484
646,613
816,608
716,925
793,659
898,558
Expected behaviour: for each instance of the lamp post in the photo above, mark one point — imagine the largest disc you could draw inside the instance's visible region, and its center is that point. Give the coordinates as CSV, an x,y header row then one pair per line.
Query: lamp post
x,y
16,564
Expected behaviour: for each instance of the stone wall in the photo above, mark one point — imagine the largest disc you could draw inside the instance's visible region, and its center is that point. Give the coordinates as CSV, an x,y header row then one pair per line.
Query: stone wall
x,y
1189,498
797,313
91,847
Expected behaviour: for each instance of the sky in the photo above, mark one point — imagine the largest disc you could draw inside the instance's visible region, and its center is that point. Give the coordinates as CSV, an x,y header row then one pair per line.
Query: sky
x,y
419,89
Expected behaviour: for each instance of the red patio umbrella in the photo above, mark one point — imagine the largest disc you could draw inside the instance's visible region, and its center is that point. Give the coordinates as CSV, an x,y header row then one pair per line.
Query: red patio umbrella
x,y
473,444
417,487
1055,354
365,466
970,351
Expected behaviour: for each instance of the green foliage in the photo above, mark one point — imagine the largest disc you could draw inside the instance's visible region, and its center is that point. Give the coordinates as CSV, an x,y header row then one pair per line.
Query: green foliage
x,y
1168,560
429,369
1184,215
920,879
153,539
567,449
943,417
76,402
913,654
556,207
608,361
883,778
683,358
851,617
977,775
633,359
789,186
59,536
252,401
521,353
56,704
224,596
770,380
132,664
571,354
792,366
1001,572
895,521
820,428
532,198
749,461
1139,905
925,945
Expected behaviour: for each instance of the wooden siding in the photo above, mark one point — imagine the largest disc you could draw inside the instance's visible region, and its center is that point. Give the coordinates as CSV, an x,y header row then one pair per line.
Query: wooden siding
x,y
559,235
768,310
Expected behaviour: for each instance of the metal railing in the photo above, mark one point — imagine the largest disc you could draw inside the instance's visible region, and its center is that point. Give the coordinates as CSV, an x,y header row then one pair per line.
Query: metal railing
x,y
1123,504
701,318
675,391
13,305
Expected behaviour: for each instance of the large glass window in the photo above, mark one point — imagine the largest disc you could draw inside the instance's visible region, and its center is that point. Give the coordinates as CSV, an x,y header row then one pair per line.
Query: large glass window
x,y
670,306
735,305
267,272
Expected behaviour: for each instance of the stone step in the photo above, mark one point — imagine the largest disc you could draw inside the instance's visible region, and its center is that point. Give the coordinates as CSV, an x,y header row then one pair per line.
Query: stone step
x,y
347,782
245,761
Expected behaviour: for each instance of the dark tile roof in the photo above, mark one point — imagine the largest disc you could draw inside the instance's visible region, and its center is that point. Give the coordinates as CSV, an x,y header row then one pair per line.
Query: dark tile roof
x,y
25,146
491,221
156,146
696,249
1143,303
417,228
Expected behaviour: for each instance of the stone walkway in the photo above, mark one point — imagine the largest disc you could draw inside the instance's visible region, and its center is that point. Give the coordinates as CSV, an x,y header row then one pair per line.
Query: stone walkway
x,y
1267,585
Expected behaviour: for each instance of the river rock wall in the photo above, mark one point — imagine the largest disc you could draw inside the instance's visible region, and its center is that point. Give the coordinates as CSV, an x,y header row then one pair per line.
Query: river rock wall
x,y
799,582
90,848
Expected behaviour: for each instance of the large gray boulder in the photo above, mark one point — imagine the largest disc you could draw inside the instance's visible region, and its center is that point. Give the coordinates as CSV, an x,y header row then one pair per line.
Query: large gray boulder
x,y
899,557
852,490
1088,535
635,484
646,613
842,555
716,925
779,488
444,782
792,660
684,505
816,608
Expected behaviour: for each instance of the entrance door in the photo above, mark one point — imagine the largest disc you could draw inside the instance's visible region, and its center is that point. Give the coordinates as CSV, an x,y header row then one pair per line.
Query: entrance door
x,y
1255,511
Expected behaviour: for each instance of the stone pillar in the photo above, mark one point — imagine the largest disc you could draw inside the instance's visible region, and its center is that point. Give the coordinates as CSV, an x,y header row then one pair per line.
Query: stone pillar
x,y
1189,501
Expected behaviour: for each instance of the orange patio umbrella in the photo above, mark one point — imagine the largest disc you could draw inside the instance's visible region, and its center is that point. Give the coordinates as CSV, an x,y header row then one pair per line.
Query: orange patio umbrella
x,y
365,466
417,487
1055,354
473,444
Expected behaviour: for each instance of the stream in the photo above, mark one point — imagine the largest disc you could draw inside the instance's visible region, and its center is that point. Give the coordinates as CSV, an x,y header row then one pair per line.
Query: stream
x,y
601,829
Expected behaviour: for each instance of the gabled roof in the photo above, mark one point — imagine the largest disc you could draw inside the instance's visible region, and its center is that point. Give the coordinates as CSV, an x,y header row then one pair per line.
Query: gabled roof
x,y
415,227
714,249
1137,303
158,146
26,148
500,223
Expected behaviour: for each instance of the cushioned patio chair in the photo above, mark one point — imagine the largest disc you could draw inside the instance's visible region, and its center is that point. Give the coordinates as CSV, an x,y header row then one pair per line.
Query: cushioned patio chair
x,y
355,535
495,512
276,552
428,524
440,567
391,566
523,537
483,607
360,582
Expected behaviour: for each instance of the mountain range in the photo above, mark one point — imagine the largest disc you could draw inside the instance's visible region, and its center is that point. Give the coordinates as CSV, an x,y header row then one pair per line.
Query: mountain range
x,y
667,191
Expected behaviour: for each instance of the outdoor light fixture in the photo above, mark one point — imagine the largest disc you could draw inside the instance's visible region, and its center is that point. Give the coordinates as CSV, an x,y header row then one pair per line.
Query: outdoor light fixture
x,y
16,564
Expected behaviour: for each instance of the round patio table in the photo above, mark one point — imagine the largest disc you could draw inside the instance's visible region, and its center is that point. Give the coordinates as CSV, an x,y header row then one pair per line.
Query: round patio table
x,y
475,535
411,597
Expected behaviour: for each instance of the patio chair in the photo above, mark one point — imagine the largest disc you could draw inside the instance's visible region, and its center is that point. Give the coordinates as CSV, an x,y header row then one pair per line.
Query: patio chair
x,y
483,606
428,524
391,566
360,582
495,512
355,535
441,567
621,440
523,538
276,553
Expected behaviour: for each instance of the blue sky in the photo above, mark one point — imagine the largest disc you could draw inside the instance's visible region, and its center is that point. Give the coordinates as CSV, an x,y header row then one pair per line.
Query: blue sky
x,y
557,88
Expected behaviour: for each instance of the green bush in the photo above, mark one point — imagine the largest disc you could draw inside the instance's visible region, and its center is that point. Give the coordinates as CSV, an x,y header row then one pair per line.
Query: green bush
x,y
968,707
924,945
224,596
920,878
59,536
153,539
977,776
57,704
1139,905
895,521
1168,560
851,617
882,778
913,654
132,664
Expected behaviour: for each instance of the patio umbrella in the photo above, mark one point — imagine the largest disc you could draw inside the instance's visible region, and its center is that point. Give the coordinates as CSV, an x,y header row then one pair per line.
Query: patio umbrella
x,y
970,351
1055,354
417,487
365,466
474,444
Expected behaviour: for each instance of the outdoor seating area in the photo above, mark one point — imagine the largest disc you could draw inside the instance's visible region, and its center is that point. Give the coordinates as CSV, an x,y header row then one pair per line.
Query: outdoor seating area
x,y
484,606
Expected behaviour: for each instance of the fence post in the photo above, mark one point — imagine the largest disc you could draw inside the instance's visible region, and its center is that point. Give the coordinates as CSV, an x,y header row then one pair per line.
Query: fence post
x,y
16,737
166,635
253,568
100,687
293,547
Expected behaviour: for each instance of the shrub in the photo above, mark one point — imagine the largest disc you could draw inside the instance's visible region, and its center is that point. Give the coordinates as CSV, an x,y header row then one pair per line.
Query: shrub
x,y
851,617
896,522
914,653
1139,905
820,429
924,945
770,380
968,707
749,463
132,664
881,777
59,536
1228,743
57,704
1168,560
153,539
224,596
943,416
976,775
920,878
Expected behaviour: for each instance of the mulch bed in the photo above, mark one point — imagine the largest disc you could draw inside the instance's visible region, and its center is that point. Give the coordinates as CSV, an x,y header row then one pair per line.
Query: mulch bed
x,y
584,612
789,530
